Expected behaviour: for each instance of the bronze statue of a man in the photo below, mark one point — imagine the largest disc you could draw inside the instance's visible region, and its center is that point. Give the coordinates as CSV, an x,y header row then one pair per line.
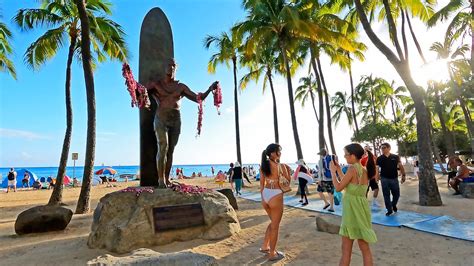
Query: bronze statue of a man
x,y
167,93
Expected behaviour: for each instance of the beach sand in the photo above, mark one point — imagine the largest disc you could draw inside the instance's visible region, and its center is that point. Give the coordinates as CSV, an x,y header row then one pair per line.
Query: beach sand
x,y
299,239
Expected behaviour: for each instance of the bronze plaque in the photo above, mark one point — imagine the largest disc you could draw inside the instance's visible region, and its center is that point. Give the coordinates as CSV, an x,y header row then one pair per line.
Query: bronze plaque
x,y
177,217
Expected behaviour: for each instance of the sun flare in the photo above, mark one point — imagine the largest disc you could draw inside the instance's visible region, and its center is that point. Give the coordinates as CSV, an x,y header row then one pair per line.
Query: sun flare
x,y
432,71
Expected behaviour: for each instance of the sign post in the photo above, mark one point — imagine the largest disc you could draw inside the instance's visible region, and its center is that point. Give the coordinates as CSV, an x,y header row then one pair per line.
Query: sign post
x,y
75,156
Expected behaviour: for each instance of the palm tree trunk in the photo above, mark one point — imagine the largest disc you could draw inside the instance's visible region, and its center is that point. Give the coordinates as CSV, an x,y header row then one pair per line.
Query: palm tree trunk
x,y
57,195
314,107
467,117
83,204
446,132
353,100
328,108
275,114
428,189
236,107
472,51
418,47
299,151
322,140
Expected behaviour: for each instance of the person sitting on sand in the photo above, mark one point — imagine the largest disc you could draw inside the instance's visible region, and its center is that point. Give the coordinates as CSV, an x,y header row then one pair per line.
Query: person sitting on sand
x,y
37,185
75,182
356,217
105,180
463,172
272,197
193,175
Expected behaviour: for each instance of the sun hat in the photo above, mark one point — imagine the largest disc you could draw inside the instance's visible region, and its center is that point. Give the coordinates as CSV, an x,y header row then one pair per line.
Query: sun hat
x,y
323,151
236,164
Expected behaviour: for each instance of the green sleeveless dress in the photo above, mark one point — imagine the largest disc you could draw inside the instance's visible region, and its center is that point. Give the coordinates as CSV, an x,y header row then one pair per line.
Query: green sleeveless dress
x,y
356,216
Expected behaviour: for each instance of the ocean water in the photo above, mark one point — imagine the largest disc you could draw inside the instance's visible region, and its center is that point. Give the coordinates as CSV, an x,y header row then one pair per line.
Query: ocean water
x,y
205,170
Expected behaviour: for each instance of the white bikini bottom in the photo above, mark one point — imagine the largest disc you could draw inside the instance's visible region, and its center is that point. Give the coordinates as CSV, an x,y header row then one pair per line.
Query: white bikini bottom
x,y
269,193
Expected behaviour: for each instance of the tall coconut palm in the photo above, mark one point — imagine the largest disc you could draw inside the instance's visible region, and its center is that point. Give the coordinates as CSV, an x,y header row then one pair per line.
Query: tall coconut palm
x,y
6,64
227,48
428,189
457,66
83,203
283,23
341,105
461,24
62,19
308,89
262,63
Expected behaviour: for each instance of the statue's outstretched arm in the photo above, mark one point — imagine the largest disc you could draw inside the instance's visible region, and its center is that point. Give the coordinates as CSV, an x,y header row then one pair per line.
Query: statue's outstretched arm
x,y
188,93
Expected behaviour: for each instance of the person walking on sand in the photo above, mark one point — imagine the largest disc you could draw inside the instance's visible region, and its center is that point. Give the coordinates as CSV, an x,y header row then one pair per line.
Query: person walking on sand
x,y
373,180
304,177
11,180
325,183
356,221
389,165
212,170
236,177
272,197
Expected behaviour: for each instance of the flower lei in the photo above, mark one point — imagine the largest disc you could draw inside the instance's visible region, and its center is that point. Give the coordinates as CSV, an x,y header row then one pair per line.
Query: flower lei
x,y
217,103
188,189
200,113
137,91
138,190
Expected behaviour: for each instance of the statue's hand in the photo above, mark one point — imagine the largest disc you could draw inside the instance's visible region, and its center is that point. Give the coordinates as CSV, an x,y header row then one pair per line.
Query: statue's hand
x,y
213,86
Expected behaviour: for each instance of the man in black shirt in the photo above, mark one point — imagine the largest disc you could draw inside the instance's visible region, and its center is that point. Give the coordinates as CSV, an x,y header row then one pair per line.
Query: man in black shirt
x,y
389,165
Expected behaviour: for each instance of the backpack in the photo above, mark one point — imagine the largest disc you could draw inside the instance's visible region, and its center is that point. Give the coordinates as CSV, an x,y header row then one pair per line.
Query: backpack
x,y
11,176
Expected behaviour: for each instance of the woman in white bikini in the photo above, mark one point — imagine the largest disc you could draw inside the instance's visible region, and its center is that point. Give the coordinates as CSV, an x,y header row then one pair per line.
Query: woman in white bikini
x,y
272,197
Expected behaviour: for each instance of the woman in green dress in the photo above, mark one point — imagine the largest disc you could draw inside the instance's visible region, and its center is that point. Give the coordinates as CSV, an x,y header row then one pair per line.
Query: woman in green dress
x,y
356,218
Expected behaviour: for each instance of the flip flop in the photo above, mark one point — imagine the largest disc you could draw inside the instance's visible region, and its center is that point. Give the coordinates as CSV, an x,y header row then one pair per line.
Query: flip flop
x,y
325,207
264,250
279,255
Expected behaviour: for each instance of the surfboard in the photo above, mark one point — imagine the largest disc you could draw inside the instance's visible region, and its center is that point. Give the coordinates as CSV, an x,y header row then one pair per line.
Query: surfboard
x,y
156,48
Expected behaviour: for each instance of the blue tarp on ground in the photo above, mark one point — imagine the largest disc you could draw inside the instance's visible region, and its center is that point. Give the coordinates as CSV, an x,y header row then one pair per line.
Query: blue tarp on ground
x,y
446,226
441,225
19,177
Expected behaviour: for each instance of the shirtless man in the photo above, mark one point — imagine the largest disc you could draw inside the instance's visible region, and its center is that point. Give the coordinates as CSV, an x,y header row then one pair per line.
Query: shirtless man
x,y
167,94
463,172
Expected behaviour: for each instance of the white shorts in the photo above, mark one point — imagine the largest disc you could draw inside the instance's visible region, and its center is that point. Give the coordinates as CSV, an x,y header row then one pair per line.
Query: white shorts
x,y
11,183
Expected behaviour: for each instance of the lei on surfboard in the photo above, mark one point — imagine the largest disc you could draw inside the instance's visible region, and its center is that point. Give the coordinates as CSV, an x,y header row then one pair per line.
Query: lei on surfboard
x,y
140,98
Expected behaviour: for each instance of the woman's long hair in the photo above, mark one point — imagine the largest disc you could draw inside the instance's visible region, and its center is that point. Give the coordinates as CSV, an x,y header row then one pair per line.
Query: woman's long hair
x,y
357,150
265,164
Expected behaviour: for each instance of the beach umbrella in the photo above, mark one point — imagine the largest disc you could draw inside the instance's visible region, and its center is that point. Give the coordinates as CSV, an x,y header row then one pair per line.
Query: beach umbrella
x,y
19,178
66,180
106,171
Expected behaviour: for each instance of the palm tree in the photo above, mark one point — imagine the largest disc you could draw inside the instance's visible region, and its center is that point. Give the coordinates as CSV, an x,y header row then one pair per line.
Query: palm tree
x,y
308,88
62,17
429,194
372,97
284,23
6,64
461,25
227,51
262,63
341,105
457,66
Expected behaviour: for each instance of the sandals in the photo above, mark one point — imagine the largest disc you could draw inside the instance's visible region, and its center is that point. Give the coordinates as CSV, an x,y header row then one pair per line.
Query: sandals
x,y
264,250
279,255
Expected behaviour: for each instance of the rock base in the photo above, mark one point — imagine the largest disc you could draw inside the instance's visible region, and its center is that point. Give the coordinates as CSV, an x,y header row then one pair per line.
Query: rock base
x,y
325,226
145,257
467,189
123,221
41,219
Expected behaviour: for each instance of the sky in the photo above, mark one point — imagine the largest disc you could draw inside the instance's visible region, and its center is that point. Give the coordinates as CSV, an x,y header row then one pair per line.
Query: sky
x,y
33,115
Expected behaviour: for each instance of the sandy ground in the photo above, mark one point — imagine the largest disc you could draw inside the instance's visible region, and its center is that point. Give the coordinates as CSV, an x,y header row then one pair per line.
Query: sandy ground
x,y
299,239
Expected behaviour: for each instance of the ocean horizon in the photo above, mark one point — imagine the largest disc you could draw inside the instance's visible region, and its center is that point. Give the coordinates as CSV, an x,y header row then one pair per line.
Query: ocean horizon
x,y
77,171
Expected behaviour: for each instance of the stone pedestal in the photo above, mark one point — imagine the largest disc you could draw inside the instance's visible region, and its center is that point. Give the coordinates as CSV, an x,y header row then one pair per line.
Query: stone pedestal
x,y
123,221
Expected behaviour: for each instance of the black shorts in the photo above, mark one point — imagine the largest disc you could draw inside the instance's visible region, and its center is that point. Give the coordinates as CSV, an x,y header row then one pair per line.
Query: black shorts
x,y
326,186
373,184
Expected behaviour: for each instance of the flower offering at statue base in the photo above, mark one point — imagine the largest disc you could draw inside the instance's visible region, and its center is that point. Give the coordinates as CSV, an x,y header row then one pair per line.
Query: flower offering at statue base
x,y
188,189
138,190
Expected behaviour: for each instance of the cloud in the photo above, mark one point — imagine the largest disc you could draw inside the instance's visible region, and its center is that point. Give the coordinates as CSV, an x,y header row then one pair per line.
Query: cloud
x,y
21,134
